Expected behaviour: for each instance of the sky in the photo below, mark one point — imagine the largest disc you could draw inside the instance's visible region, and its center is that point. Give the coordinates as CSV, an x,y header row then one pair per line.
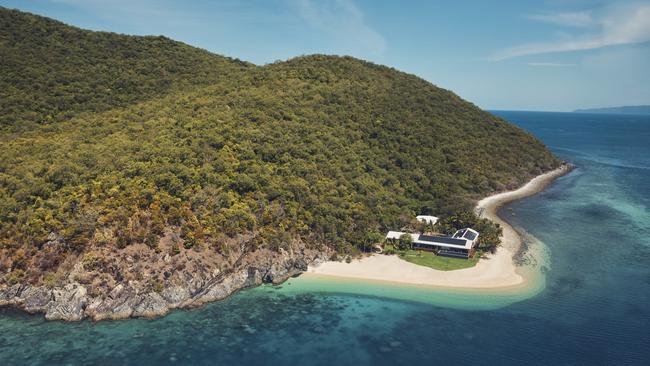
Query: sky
x,y
545,55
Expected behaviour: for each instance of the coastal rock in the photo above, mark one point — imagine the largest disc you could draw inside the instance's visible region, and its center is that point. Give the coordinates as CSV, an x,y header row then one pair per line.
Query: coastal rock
x,y
150,305
223,289
68,303
11,295
36,299
176,296
118,305
72,301
300,264
279,272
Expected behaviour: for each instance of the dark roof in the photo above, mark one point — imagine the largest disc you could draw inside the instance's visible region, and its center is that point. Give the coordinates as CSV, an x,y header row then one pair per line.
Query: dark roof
x,y
442,239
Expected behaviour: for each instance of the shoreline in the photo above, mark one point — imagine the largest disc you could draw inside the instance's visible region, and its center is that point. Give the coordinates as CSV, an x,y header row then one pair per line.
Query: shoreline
x,y
493,272
73,302
377,273
488,207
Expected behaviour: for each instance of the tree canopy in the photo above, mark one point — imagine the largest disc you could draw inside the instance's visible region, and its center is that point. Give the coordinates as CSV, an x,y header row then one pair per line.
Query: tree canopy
x,y
110,140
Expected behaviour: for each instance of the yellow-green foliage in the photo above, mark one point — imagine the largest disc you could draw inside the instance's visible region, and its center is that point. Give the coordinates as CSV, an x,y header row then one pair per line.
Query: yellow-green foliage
x,y
323,148
53,279
91,261
50,72
15,276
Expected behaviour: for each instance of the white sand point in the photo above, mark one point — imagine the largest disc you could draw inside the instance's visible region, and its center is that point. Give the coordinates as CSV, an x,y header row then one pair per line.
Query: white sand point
x,y
495,271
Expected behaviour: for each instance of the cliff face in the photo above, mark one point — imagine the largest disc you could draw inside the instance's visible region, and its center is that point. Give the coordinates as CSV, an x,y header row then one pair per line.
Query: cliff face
x,y
139,174
74,302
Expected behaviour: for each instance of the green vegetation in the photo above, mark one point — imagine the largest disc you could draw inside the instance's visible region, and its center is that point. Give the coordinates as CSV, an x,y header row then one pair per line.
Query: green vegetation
x,y
52,72
405,242
109,141
429,259
490,233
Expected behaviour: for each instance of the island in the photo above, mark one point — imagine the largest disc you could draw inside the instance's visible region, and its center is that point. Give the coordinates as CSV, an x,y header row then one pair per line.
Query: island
x,y
632,109
140,174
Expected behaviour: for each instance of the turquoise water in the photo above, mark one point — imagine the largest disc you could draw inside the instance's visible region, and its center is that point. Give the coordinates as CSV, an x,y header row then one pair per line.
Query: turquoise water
x,y
594,308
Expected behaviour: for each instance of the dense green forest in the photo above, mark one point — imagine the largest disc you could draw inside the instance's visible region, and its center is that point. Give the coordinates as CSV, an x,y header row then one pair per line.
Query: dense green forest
x,y
110,140
51,72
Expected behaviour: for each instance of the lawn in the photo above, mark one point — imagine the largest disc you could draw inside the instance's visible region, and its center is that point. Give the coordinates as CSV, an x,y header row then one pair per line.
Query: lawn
x,y
429,259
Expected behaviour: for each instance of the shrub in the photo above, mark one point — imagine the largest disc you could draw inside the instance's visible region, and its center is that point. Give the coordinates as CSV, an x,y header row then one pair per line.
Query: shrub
x,y
92,261
54,279
15,276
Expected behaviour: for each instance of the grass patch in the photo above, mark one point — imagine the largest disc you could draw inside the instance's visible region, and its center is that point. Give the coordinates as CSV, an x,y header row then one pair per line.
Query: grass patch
x,y
429,259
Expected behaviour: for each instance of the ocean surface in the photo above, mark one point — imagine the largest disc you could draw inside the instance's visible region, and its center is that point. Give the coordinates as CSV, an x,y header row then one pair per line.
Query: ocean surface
x,y
593,308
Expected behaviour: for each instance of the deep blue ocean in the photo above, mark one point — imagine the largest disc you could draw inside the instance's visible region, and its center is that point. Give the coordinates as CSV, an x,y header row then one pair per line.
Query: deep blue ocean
x,y
593,310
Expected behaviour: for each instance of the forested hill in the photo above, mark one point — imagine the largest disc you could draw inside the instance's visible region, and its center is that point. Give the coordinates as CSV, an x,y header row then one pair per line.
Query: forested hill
x,y
50,71
167,150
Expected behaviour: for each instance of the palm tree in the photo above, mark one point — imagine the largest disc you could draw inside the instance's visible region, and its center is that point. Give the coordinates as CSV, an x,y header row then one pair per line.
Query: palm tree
x,y
372,237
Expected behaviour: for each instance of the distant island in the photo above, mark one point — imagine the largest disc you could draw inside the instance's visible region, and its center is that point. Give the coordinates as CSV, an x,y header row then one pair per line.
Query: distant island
x,y
629,109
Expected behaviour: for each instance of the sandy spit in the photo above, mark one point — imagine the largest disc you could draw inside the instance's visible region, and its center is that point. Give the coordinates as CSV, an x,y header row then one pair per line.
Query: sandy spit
x,y
495,271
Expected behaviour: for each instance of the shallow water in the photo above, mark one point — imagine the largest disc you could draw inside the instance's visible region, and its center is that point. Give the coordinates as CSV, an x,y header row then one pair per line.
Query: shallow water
x,y
593,310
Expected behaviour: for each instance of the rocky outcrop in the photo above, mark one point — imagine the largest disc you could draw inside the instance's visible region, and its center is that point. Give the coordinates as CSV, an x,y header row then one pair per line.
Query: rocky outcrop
x,y
68,303
36,299
72,302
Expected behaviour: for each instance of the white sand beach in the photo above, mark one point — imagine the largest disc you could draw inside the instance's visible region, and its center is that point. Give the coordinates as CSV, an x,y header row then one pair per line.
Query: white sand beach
x,y
495,271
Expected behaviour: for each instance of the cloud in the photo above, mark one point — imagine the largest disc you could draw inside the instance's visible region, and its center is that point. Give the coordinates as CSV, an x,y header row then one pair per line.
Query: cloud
x,y
571,19
549,64
615,26
343,20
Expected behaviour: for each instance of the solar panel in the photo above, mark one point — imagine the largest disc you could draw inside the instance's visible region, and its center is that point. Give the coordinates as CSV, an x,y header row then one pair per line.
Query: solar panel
x,y
470,235
442,239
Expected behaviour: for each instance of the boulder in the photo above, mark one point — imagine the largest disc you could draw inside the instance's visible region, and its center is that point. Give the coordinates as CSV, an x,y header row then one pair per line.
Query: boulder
x,y
119,304
176,296
150,305
36,299
68,303
11,295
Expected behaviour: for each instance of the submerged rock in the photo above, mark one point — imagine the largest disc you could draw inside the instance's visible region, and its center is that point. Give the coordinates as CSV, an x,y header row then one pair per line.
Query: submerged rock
x,y
395,344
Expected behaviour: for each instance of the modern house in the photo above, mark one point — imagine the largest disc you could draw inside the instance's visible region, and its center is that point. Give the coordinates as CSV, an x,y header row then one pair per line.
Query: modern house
x,y
460,245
